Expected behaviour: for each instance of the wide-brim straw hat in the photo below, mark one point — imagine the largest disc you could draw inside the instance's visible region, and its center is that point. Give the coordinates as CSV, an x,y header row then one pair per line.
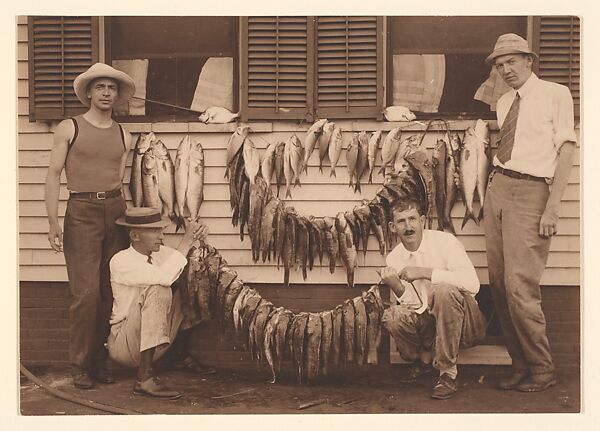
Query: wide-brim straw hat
x,y
509,43
101,70
143,217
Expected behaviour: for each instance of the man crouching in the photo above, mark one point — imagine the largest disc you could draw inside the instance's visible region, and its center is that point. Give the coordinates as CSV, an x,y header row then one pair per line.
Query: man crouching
x,y
146,314
437,312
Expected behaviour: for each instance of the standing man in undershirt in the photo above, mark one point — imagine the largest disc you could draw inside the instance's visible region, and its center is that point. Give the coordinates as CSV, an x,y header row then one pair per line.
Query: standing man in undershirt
x,y
92,149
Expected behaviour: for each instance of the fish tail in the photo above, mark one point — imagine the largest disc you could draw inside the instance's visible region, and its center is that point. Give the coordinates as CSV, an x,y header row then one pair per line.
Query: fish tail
x,y
179,223
357,187
480,216
288,193
286,277
382,170
351,279
332,173
469,216
297,183
371,176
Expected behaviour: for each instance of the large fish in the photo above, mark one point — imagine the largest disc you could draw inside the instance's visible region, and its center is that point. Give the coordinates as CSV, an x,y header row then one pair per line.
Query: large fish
x,y
335,149
379,225
267,167
372,152
482,132
310,141
288,253
232,293
302,245
438,159
355,227
468,173
279,232
453,150
135,183
319,230
360,330
326,340
194,195
299,330
182,167
198,285
262,314
314,329
283,326
150,187
267,228
324,140
348,330
331,242
373,326
296,158
251,160
269,340
258,195
166,178
390,148
347,247
362,158
337,317
352,157
244,205
279,166
287,167
234,144
236,178
420,161
251,302
365,219
407,145
237,322
226,277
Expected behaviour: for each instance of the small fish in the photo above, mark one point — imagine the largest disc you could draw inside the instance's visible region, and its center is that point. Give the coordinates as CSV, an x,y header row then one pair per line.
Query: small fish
x,y
267,228
438,161
360,331
182,167
347,247
482,132
453,150
279,166
279,232
319,228
468,173
302,244
235,142
326,340
258,197
237,306
267,166
231,295
351,157
296,158
420,161
336,337
365,219
379,225
150,180
390,148
331,242
194,195
244,205
135,183
335,149
287,167
372,152
324,140
373,326
269,340
362,158
312,136
281,334
217,115
348,330
252,301
226,277
166,178
314,330
260,321
299,330
289,245
407,146
398,113
251,160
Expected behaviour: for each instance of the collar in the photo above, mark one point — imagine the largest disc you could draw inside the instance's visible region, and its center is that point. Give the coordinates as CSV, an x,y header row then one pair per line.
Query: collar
x,y
527,87
137,254
405,254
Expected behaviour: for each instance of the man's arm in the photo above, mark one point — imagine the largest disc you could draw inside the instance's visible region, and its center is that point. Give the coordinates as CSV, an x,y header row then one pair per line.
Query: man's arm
x,y
127,139
62,135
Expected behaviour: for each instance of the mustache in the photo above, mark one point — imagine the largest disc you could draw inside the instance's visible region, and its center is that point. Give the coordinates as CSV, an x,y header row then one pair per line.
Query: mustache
x,y
409,232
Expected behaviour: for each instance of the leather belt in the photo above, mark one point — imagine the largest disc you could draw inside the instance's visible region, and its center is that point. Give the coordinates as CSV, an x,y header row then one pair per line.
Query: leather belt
x,y
518,175
96,195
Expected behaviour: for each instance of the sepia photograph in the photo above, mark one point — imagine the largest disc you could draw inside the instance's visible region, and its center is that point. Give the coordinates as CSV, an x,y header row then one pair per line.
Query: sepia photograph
x,y
262,214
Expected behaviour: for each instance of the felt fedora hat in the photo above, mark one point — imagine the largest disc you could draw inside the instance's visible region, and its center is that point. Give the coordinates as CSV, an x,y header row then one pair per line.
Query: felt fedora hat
x,y
509,43
101,70
143,217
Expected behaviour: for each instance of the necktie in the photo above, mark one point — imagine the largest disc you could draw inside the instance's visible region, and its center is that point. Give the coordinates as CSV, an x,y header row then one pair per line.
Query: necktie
x,y
149,260
507,132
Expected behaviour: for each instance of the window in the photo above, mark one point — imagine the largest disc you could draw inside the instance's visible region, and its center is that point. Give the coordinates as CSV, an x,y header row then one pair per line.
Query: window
x,y
309,67
436,64
186,62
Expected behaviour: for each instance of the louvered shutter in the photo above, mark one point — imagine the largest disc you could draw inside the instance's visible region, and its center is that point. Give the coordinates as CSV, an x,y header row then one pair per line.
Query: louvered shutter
x,y
556,40
60,48
349,67
277,67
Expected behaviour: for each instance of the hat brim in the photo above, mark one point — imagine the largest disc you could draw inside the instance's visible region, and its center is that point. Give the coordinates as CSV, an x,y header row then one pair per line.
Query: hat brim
x,y
164,222
506,51
126,84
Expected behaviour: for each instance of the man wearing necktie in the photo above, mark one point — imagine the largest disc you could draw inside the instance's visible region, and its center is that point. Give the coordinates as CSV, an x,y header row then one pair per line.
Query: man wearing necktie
x,y
431,274
535,150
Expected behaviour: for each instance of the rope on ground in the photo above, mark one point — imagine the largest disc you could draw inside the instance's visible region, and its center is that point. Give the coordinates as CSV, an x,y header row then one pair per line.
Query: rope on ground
x,y
81,401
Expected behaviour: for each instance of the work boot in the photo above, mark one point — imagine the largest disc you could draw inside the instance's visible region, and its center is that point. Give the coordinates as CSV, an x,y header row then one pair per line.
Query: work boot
x,y
191,365
444,388
82,380
537,382
154,388
415,371
512,381
102,374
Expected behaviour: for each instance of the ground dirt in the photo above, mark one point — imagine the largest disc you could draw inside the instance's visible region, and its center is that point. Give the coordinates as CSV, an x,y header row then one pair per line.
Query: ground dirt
x,y
374,389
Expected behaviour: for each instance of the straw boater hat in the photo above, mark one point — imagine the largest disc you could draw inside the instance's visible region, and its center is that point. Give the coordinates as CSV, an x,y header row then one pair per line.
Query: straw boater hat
x,y
142,217
509,43
101,70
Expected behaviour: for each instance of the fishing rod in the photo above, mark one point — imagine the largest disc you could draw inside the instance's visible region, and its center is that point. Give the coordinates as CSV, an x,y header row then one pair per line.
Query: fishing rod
x,y
167,105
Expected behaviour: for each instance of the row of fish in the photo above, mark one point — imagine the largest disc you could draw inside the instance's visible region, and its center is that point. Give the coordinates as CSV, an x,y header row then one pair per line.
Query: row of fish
x,y
313,342
175,188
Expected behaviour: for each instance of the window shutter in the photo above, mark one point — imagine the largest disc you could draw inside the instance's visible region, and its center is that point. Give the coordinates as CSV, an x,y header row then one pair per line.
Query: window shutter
x,y
60,48
277,67
556,40
349,67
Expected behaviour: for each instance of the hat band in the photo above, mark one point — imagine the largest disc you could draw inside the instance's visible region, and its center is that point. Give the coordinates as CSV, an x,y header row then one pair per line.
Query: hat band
x,y
145,219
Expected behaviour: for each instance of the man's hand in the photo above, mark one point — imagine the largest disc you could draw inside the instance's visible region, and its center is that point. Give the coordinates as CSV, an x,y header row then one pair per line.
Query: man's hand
x,y
391,278
196,231
412,273
55,238
548,223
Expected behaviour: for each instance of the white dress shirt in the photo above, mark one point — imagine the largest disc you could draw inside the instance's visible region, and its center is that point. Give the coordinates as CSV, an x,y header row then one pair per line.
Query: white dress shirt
x,y
448,258
130,273
545,122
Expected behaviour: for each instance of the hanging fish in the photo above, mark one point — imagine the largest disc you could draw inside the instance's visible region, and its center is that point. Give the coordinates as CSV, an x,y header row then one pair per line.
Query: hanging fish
x,y
335,149
420,161
182,166
347,247
166,178
267,166
331,242
372,152
362,158
390,148
453,150
351,157
258,197
287,167
482,132
312,136
373,326
468,173
267,228
279,167
269,340
324,140
337,334
298,331
150,180
438,161
360,331
348,330
281,334
296,158
234,143
194,195
251,160
135,183
326,340
407,146
314,330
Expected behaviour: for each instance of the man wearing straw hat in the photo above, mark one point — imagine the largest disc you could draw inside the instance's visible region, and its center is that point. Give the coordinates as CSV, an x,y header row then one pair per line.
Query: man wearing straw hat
x,y
92,149
531,169
146,315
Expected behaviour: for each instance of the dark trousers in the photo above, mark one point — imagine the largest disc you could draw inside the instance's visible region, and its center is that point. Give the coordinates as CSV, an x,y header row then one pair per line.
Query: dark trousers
x,y
91,239
517,258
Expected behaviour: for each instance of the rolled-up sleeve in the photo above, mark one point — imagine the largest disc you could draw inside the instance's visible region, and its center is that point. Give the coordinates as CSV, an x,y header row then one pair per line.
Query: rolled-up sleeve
x,y
460,271
145,274
563,121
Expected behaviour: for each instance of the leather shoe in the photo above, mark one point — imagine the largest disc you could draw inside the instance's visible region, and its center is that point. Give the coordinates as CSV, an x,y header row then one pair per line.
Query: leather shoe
x,y
415,371
537,382
191,365
82,380
444,388
512,381
154,388
103,375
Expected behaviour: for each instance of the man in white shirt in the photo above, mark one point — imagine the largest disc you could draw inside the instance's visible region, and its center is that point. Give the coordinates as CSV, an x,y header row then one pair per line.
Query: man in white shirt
x,y
146,315
431,274
535,150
